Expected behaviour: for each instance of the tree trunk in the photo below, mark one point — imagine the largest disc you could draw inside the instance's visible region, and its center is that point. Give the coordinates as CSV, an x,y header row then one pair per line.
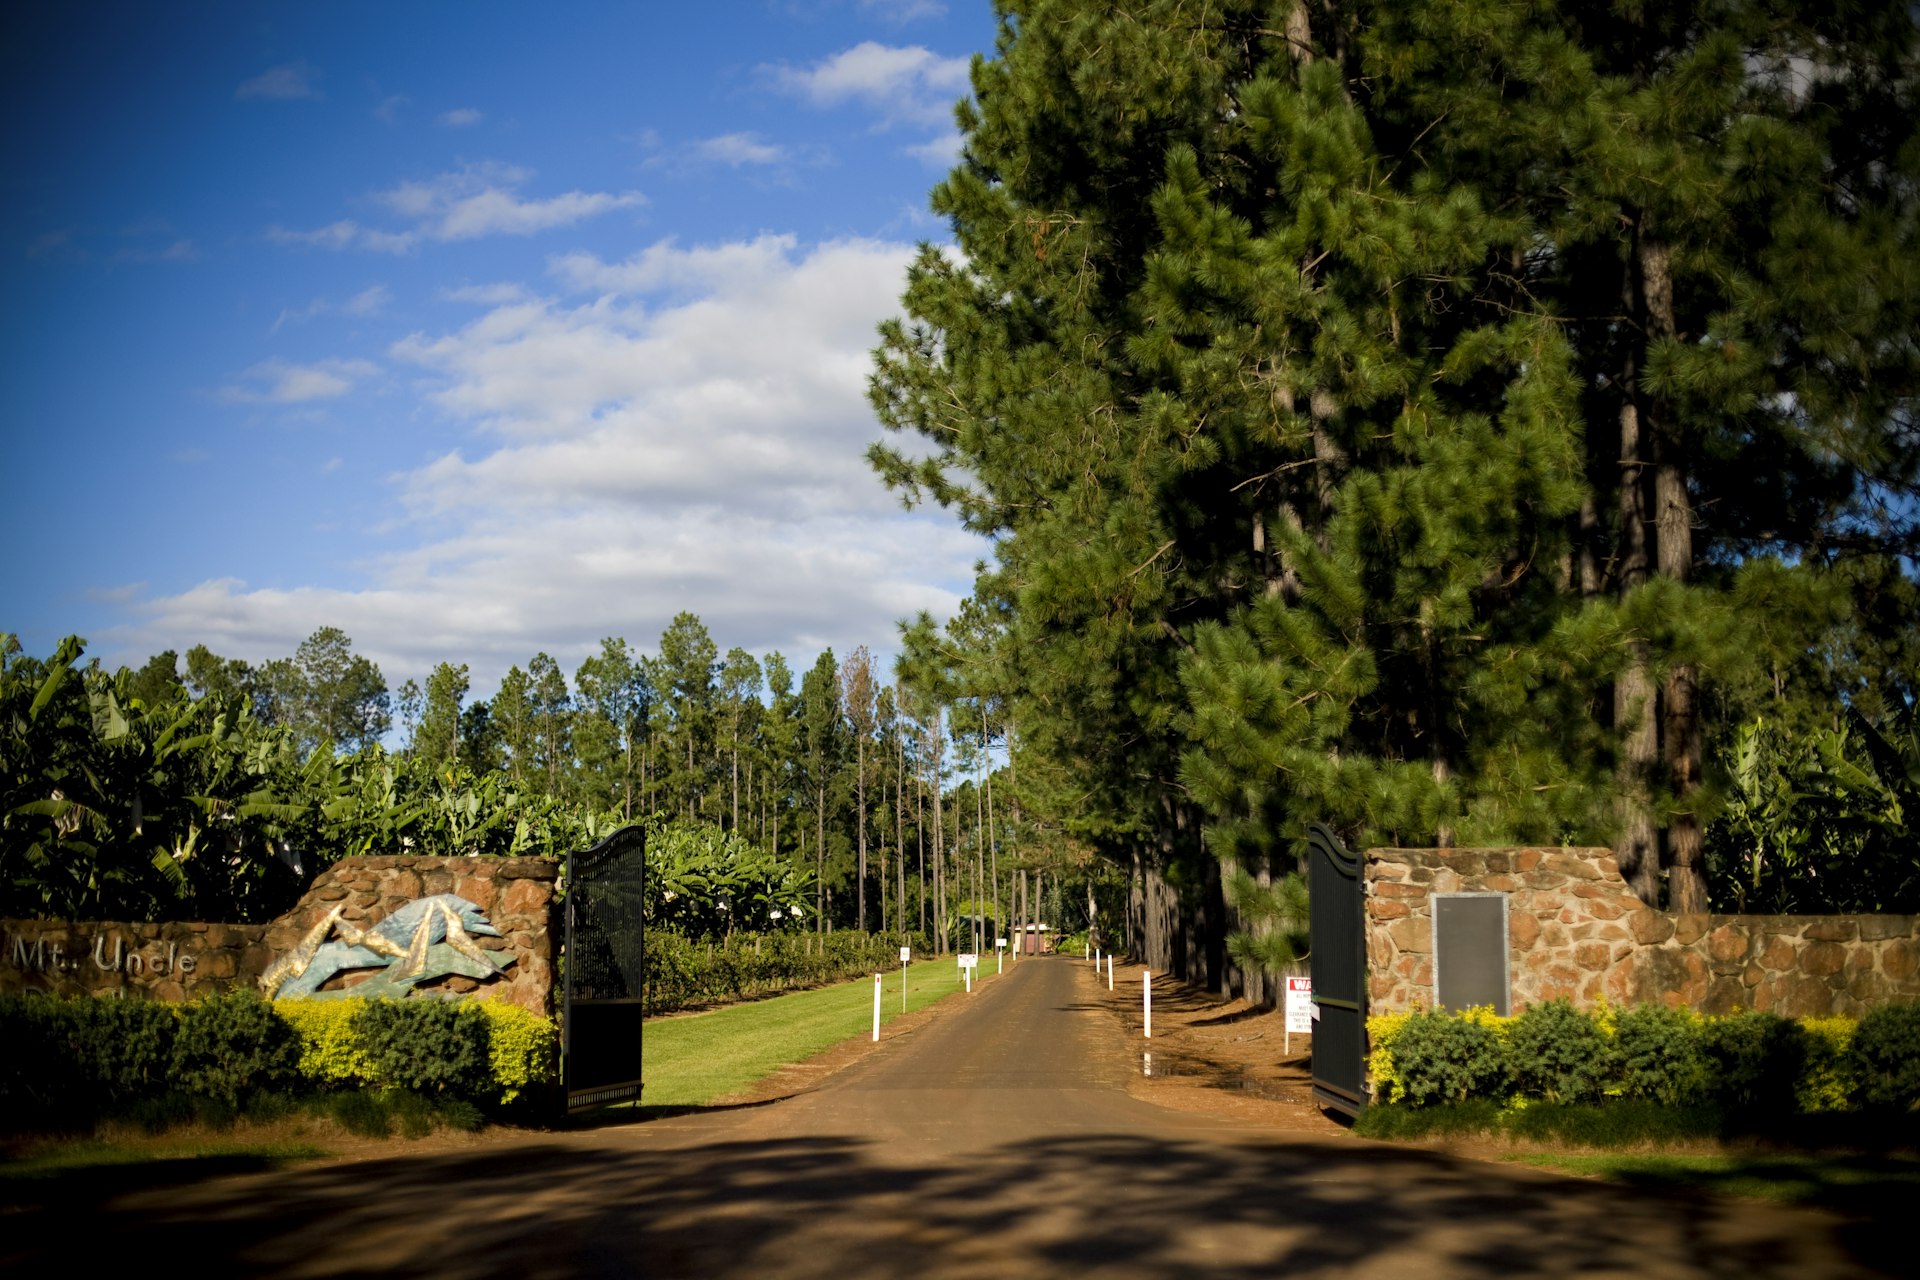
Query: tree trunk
x,y
1673,511
900,830
860,789
939,836
1635,710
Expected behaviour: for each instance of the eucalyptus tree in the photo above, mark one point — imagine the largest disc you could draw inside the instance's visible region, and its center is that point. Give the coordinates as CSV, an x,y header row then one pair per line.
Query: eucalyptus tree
x,y
616,695
857,693
551,705
512,715
822,761
740,680
437,740
687,663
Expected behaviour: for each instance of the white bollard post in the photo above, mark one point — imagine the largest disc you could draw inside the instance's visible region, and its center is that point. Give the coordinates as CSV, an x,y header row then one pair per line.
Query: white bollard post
x,y
1146,997
876,1006
1109,973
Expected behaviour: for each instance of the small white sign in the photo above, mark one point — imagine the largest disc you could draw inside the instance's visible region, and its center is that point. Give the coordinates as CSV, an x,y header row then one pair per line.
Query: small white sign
x,y
906,954
1301,1011
999,942
968,960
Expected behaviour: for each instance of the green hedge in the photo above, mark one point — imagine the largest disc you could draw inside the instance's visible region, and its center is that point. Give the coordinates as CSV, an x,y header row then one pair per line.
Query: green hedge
x,y
1739,1065
682,973
71,1061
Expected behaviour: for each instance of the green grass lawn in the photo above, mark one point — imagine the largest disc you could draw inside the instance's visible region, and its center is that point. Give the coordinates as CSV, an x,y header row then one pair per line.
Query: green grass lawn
x,y
1866,1184
693,1059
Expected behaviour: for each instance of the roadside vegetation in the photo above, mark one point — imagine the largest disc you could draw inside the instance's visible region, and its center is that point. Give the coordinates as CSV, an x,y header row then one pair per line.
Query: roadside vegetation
x,y
1745,1104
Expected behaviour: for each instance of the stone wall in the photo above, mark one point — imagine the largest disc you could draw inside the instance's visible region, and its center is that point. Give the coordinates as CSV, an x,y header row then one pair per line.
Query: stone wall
x,y
1576,930
181,961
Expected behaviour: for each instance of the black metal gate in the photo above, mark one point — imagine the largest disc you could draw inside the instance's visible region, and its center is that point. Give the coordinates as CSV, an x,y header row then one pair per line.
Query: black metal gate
x,y
605,966
1337,929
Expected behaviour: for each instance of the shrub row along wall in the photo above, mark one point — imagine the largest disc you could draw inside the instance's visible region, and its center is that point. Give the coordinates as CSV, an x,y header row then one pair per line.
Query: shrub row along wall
x,y
181,961
1576,930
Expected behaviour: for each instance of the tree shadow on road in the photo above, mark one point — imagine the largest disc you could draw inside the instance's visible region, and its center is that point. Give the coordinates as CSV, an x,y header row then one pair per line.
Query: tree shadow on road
x,y
632,1204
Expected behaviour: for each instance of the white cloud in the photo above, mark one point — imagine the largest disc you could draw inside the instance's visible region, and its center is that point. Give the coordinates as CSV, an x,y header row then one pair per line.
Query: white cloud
x,y
486,295
899,83
664,265
288,83
467,204
282,382
179,250
680,430
461,117
736,149
335,235
370,301
942,152
389,109
900,12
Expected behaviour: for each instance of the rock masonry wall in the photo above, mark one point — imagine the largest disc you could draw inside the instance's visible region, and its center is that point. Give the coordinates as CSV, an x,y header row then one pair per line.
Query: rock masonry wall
x,y
181,961
1576,930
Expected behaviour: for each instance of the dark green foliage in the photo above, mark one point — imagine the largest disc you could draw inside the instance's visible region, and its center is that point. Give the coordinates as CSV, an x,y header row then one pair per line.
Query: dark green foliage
x,y
1405,1122
373,1113
435,1047
1754,1060
1657,1054
124,1048
1558,1054
37,1082
1620,1123
1612,1124
231,1044
1886,1055
1447,1059
359,1111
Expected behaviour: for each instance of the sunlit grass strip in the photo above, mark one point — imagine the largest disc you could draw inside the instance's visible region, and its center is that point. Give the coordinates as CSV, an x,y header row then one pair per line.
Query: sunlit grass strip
x,y
54,1158
1810,1179
694,1059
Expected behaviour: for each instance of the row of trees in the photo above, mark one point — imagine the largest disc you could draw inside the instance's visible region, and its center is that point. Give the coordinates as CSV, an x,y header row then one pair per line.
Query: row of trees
x,y
215,788
1450,422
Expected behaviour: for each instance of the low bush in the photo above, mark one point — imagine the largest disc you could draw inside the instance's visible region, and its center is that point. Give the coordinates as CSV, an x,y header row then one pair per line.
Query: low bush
x,y
228,1045
1656,1054
1885,1056
73,1061
1754,1062
525,1050
1747,1072
1558,1054
435,1047
1826,1082
1447,1059
331,1054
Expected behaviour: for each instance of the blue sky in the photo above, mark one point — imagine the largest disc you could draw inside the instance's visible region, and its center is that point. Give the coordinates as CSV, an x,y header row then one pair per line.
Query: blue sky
x,y
474,330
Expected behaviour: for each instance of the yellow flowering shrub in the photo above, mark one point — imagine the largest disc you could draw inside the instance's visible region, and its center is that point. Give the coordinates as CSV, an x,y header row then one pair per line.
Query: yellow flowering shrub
x,y
525,1048
1381,1029
1826,1084
329,1052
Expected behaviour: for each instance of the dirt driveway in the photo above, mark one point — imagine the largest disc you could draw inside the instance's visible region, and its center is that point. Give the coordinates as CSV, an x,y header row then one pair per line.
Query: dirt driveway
x,y
1001,1138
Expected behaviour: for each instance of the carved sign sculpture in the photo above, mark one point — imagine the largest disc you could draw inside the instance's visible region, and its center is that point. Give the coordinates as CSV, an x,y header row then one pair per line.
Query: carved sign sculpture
x,y
426,939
